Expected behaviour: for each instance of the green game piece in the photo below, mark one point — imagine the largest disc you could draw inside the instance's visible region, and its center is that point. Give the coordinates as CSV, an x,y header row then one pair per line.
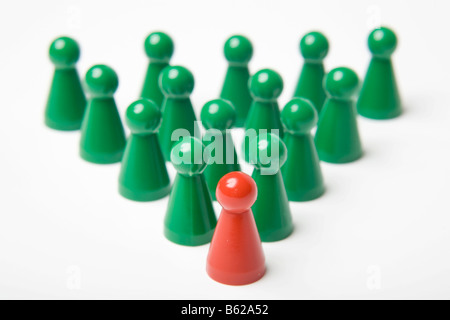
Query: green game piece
x,y
66,102
190,218
177,84
144,175
302,174
379,98
337,137
314,48
271,209
265,86
102,135
159,48
218,116
238,52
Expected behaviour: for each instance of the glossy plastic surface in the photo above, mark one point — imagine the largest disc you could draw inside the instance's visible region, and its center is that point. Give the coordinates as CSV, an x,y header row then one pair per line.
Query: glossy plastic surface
x,y
177,83
66,103
314,48
337,138
219,115
271,209
190,219
236,255
159,48
379,98
102,134
302,173
265,86
238,52
143,175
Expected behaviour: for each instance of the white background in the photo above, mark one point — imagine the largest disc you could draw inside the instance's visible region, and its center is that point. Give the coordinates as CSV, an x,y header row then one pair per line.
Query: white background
x,y
382,230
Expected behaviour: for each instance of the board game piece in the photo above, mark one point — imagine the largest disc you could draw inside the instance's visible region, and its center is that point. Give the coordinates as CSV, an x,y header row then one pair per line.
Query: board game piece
x,y
177,84
190,218
302,173
66,102
236,255
314,48
238,52
379,98
337,137
143,176
159,49
218,116
271,210
265,86
102,134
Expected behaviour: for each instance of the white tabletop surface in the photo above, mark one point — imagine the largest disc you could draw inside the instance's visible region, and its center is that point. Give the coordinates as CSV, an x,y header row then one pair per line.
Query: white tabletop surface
x,y
382,230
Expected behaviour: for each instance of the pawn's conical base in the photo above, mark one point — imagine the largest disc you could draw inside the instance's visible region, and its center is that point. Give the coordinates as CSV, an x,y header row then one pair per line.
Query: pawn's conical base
x,y
302,173
271,209
233,279
310,84
379,116
216,171
331,158
102,134
188,240
66,103
144,196
236,255
151,88
379,98
101,158
337,138
235,89
143,176
62,127
265,116
306,196
190,218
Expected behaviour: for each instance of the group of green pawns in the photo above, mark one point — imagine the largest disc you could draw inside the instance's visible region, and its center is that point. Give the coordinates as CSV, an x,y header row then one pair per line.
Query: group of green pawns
x,y
247,101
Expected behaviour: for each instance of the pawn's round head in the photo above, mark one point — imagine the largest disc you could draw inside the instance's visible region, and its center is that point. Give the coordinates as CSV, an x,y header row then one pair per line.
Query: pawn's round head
x,y
266,85
64,52
176,82
236,192
268,153
188,156
341,83
159,47
314,46
299,116
382,42
238,50
102,81
218,114
143,117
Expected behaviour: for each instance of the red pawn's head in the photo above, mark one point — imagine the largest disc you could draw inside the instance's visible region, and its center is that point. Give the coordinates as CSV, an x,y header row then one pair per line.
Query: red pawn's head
x,y
236,192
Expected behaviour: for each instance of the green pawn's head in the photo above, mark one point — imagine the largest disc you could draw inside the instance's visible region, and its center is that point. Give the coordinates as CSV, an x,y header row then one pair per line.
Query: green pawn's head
x,y
159,47
64,53
341,83
143,117
266,85
238,50
314,47
268,153
382,42
299,116
102,81
188,156
176,82
218,114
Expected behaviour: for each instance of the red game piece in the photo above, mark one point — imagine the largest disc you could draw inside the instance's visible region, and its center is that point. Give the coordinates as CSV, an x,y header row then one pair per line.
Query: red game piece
x,y
236,256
